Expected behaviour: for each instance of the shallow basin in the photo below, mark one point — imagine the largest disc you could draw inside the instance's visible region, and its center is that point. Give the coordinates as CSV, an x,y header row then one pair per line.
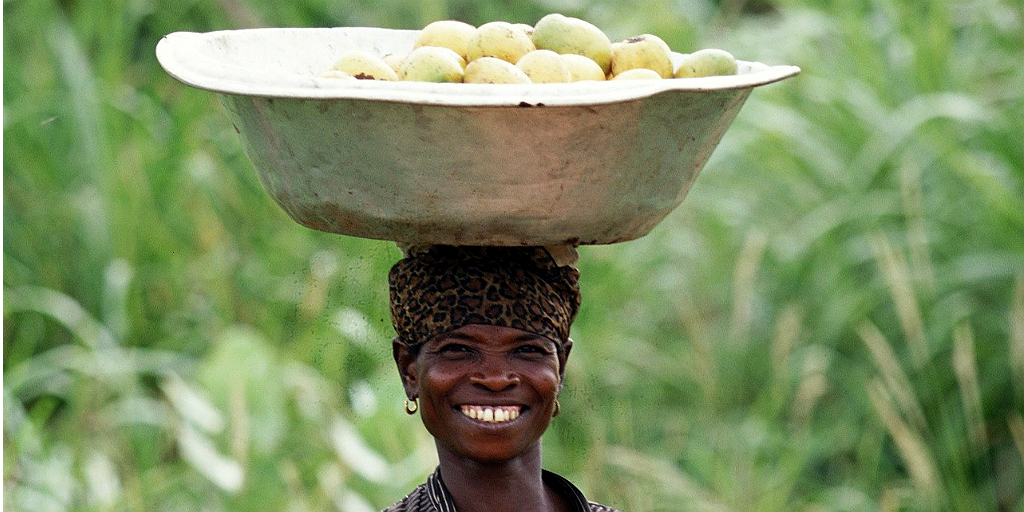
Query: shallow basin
x,y
463,164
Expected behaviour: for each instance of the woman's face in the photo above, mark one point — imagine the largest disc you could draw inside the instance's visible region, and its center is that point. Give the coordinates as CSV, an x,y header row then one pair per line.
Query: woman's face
x,y
486,393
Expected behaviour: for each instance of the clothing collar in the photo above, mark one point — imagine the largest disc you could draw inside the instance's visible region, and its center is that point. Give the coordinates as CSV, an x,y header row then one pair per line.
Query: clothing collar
x,y
442,499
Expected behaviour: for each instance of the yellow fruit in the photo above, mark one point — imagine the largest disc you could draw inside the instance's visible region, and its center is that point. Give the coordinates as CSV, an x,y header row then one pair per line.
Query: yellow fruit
x,y
563,34
638,74
450,34
394,60
644,51
583,68
499,39
527,29
492,70
364,66
432,64
334,73
545,67
707,62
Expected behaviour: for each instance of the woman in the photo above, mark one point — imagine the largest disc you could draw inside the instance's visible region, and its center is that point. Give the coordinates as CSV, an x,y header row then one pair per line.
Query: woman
x,y
483,338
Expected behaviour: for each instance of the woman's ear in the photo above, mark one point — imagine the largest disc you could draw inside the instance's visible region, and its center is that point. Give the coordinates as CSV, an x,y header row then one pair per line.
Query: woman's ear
x,y
406,362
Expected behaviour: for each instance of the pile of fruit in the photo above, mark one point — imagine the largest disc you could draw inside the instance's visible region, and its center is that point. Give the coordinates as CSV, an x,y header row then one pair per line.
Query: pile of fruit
x,y
558,49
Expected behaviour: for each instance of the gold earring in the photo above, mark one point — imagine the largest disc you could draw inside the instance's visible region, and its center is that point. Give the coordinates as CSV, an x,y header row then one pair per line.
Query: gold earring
x,y
558,409
412,407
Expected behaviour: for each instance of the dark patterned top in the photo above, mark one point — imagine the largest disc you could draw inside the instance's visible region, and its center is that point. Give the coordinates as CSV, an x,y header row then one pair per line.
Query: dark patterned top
x,y
433,496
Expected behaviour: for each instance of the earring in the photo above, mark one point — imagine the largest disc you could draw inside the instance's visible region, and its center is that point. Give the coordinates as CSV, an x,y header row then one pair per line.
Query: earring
x,y
412,407
558,408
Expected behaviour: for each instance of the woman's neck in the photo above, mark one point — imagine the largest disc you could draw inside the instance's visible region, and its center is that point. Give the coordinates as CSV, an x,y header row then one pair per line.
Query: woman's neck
x,y
510,486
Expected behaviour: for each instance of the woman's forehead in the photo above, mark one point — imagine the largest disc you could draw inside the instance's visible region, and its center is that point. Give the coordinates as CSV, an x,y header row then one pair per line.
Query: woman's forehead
x,y
492,334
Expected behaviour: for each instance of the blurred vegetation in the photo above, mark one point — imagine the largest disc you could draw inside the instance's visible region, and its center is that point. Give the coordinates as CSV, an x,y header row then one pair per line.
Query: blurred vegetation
x,y
833,319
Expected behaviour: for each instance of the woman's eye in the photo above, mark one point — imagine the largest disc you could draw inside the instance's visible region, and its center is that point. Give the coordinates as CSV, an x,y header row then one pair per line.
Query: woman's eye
x,y
454,348
532,350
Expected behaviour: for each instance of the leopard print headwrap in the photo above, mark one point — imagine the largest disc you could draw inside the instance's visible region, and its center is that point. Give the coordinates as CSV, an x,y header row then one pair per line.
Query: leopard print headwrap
x,y
443,288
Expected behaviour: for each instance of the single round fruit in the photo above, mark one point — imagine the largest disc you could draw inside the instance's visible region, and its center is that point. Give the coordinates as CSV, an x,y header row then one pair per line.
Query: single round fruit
x,y
492,70
364,66
432,64
450,34
545,67
583,68
499,39
394,60
638,74
565,35
707,62
527,29
334,73
644,51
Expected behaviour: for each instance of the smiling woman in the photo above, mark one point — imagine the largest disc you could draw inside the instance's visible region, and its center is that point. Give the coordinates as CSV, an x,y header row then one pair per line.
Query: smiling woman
x,y
483,339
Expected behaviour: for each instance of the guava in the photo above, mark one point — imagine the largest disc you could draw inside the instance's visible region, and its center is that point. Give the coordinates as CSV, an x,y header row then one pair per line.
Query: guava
x,y
567,35
499,39
492,70
643,51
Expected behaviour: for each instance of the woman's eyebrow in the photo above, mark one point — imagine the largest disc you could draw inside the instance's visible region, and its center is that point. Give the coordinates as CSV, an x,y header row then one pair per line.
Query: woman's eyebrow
x,y
457,336
529,336
536,338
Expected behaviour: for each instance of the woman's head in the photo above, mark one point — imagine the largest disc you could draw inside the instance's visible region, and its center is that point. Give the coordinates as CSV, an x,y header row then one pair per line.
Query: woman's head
x,y
483,338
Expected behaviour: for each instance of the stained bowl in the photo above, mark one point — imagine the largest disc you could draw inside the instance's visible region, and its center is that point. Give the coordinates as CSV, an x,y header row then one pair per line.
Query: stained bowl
x,y
461,164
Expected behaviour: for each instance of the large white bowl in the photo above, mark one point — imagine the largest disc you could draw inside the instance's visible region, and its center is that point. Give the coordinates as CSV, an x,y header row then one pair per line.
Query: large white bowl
x,y
463,164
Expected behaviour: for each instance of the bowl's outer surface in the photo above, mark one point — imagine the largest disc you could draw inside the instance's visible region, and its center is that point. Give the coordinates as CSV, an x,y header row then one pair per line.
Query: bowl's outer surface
x,y
462,164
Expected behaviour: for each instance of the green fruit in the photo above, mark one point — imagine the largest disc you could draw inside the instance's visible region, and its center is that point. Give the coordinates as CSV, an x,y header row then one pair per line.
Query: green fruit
x,y
450,34
499,39
364,66
583,68
492,70
644,51
638,74
432,64
565,35
545,67
707,62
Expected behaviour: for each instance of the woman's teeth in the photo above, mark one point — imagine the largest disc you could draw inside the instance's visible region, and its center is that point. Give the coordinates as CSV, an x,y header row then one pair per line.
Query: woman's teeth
x,y
491,414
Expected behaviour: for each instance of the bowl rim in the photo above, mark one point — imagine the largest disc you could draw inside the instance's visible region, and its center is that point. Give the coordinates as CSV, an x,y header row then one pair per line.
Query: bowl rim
x,y
181,56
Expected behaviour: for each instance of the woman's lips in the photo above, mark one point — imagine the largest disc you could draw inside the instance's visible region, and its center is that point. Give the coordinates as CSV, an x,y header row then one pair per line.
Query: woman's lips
x,y
491,413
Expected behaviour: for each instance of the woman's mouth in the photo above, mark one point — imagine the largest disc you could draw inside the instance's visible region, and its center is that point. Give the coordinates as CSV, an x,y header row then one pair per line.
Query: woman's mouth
x,y
491,414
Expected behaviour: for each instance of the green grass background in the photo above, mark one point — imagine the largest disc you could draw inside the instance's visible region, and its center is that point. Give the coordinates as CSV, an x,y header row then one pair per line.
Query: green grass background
x,y
833,319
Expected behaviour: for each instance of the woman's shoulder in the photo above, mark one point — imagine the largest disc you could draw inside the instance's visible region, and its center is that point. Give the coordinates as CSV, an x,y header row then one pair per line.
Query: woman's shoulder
x,y
415,501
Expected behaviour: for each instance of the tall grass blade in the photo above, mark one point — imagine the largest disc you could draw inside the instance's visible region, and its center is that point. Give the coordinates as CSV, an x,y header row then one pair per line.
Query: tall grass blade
x,y
102,481
904,123
900,287
238,415
810,390
61,308
356,454
1017,335
1016,424
913,207
889,367
79,78
966,369
201,453
192,405
787,333
674,480
743,283
912,450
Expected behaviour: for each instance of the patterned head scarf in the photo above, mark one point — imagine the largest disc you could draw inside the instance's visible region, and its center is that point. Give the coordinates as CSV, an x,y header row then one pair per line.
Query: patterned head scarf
x,y
443,288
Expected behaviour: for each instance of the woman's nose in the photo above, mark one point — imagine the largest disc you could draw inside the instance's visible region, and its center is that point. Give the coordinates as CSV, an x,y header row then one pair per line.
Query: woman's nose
x,y
495,377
